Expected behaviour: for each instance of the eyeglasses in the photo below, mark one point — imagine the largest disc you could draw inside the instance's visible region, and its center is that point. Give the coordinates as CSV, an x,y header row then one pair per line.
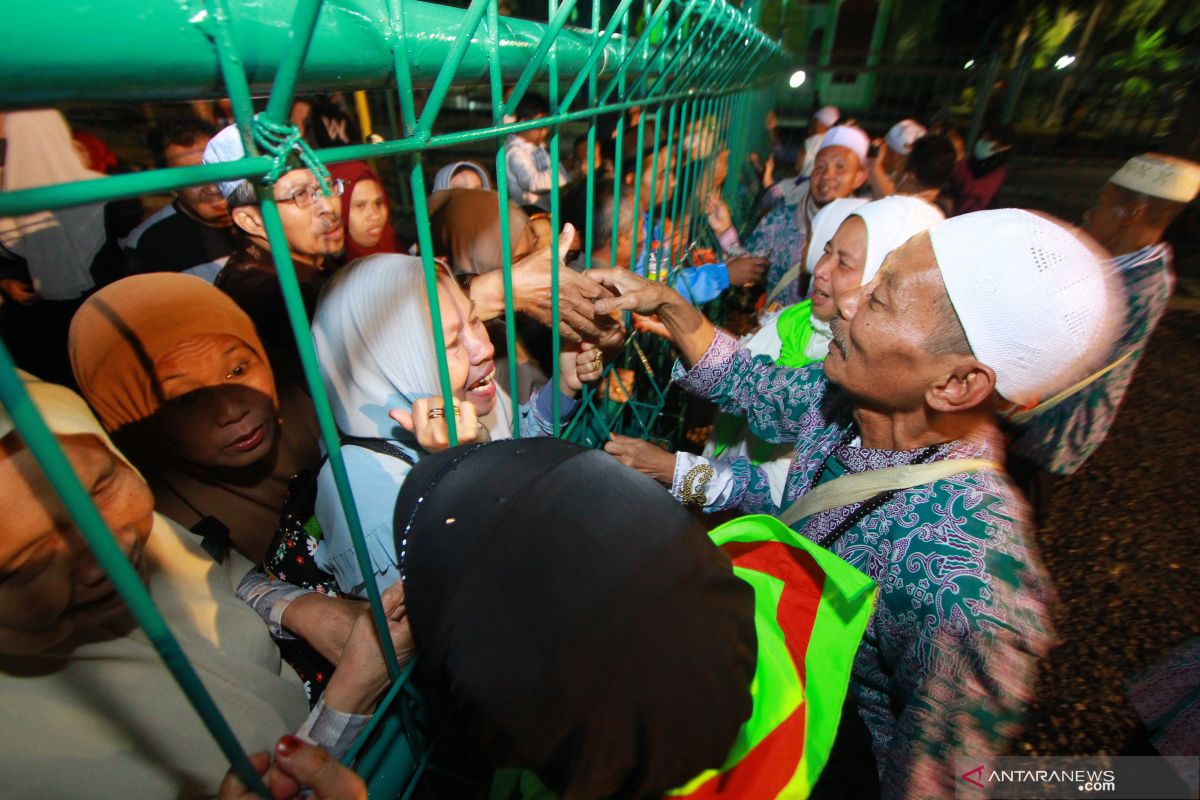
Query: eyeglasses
x,y
305,197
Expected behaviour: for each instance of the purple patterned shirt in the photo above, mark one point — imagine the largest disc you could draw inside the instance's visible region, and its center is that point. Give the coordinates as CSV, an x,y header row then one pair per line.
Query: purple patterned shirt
x,y
948,663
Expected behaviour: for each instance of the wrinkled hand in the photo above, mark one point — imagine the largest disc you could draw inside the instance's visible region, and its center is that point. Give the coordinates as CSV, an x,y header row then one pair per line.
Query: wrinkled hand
x,y
362,673
719,218
581,366
428,421
578,319
299,767
646,458
20,291
633,292
746,270
324,622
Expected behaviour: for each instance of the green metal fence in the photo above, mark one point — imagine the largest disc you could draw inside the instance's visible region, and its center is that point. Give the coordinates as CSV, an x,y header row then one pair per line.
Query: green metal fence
x,y
692,70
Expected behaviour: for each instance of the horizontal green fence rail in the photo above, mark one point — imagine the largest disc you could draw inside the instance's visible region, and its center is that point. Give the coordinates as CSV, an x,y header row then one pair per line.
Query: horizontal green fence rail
x,y
692,71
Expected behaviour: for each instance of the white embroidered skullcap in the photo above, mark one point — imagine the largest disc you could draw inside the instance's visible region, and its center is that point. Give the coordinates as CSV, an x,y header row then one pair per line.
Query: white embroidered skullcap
x,y
852,139
828,116
825,225
1033,295
225,146
902,135
1161,176
891,222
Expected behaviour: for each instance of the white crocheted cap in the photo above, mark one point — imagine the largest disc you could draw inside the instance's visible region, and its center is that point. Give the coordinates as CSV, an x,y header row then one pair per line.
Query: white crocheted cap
x,y
1033,296
825,224
828,116
1157,175
891,222
225,146
853,139
902,135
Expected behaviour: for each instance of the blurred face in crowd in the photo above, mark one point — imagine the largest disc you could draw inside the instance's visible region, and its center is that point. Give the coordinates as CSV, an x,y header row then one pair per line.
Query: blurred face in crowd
x,y
219,408
839,270
837,172
368,213
50,585
469,350
465,178
656,183
536,135
878,353
205,202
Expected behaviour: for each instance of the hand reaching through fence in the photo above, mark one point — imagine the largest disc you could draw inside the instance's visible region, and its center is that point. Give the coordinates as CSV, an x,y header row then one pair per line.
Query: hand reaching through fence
x,y
299,770
428,421
581,366
685,325
648,459
532,295
719,218
746,270
362,676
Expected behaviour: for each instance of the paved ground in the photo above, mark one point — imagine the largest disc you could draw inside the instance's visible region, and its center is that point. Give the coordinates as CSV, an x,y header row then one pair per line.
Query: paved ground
x,y
1122,545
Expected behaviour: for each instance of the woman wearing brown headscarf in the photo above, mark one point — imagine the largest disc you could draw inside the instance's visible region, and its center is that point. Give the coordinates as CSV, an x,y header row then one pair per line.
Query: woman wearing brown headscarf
x,y
178,376
465,227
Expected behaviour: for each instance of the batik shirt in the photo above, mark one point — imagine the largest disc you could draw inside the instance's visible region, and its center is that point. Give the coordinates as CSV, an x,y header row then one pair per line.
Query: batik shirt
x,y
779,237
1061,438
948,664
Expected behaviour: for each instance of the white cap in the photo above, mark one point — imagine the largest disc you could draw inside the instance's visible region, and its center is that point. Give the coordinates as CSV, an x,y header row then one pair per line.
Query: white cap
x,y
1161,176
225,146
828,116
902,135
891,222
825,224
853,139
1033,296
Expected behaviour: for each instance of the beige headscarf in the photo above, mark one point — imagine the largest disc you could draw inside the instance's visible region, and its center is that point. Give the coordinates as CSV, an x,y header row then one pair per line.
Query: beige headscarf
x,y
116,338
100,716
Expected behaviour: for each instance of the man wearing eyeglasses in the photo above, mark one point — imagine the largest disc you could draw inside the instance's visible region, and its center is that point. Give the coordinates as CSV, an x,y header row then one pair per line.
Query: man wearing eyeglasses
x,y
312,225
194,232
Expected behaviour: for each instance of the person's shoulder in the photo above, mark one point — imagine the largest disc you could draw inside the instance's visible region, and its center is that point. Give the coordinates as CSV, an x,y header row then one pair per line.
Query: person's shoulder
x,y
134,238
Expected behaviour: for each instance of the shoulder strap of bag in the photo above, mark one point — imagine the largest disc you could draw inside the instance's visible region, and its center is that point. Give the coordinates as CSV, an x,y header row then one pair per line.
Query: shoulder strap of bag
x,y
861,486
381,446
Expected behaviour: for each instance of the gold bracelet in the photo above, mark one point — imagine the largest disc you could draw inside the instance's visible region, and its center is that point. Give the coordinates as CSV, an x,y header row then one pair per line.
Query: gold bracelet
x,y
692,493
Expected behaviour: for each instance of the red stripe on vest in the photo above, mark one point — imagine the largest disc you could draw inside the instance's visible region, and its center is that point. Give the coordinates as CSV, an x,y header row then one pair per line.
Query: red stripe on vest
x,y
765,770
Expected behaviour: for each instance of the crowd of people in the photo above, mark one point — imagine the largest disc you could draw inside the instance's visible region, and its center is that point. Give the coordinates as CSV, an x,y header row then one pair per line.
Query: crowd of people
x,y
921,370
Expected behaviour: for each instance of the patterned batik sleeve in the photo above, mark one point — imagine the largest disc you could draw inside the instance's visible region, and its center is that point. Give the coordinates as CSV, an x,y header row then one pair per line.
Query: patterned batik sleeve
x,y
778,402
967,602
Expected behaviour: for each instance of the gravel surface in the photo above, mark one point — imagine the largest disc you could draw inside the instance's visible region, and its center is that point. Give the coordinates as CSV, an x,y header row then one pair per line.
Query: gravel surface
x,y
1122,543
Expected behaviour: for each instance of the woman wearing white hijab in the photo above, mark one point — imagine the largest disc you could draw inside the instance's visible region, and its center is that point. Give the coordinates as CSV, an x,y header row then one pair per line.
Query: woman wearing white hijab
x,y
849,245
375,343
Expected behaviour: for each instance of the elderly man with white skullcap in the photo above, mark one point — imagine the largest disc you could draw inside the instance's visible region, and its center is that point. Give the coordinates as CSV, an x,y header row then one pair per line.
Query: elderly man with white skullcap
x,y
1133,211
780,236
898,466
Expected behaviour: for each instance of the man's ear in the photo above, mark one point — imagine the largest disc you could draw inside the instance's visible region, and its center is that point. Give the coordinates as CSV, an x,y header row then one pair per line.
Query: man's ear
x,y
249,219
1133,213
860,178
963,385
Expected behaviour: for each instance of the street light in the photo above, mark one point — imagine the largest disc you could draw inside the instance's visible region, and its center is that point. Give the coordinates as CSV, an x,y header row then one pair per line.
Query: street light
x,y
1064,62
797,79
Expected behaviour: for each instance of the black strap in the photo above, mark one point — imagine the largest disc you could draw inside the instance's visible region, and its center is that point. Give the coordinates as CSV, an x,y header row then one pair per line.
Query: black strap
x,y
381,446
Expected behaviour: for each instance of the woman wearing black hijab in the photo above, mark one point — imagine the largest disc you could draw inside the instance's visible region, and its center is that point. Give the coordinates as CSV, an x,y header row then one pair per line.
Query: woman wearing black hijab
x,y
610,659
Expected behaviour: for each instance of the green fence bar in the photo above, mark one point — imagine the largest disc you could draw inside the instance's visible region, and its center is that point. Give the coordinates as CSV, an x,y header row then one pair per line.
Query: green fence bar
x,y
699,61
45,448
